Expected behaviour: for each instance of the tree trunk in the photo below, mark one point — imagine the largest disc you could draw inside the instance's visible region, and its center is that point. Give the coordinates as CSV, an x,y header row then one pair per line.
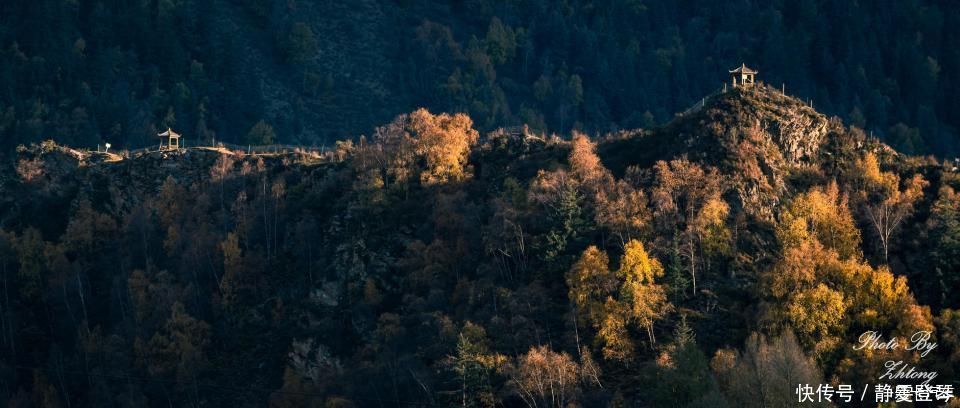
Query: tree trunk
x,y
83,302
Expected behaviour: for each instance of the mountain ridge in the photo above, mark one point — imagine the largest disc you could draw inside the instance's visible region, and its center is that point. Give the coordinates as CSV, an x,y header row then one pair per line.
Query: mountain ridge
x,y
755,134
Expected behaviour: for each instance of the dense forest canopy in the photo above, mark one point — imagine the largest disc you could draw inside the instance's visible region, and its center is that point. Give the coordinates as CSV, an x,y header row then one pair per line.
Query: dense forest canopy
x,y
717,261
86,72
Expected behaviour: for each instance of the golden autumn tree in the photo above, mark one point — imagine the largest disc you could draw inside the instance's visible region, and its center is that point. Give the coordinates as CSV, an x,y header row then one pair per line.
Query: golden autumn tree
x,y
822,296
815,311
710,226
591,283
822,214
878,299
866,171
444,141
822,288
646,300
586,166
887,201
613,334
583,158
816,314
433,148
592,287
614,300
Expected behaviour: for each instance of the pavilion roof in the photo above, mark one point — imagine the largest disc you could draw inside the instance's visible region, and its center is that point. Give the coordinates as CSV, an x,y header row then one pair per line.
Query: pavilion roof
x,y
742,69
168,133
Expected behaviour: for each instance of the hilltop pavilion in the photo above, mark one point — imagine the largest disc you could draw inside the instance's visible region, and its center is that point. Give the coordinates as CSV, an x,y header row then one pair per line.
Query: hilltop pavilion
x,y
169,140
742,76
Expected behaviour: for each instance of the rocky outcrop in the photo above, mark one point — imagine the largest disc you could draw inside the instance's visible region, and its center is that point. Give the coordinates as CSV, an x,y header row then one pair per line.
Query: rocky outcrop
x,y
797,130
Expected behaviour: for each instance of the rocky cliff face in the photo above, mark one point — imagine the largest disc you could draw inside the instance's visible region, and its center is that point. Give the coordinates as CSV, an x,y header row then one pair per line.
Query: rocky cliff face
x,y
796,129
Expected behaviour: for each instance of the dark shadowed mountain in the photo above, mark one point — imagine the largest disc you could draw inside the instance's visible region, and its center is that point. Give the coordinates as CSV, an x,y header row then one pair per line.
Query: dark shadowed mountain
x,y
86,72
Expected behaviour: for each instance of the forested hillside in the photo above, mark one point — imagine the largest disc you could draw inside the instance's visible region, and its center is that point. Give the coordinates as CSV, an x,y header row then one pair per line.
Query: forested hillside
x,y
715,261
86,72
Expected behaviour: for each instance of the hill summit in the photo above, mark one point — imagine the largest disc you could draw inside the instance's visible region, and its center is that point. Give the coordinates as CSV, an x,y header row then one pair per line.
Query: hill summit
x,y
757,135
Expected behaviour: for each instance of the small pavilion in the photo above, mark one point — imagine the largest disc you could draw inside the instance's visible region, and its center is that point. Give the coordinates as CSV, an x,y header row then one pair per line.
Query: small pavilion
x,y
742,76
169,140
